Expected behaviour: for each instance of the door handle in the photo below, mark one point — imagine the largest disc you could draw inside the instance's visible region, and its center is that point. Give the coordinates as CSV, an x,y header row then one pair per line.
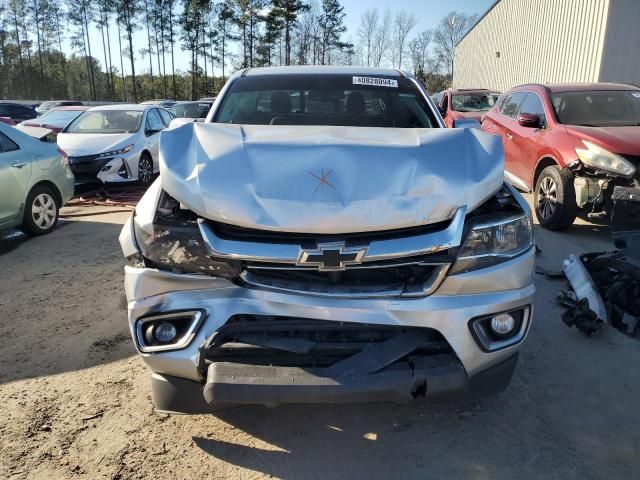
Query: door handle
x,y
509,136
19,165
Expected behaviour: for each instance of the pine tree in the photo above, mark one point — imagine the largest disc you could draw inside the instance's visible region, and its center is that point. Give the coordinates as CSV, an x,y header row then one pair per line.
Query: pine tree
x,y
287,12
332,27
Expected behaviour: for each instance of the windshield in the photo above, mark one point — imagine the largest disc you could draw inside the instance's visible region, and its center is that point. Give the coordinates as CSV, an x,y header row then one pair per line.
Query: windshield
x,y
191,110
601,108
47,105
107,121
343,100
473,102
59,118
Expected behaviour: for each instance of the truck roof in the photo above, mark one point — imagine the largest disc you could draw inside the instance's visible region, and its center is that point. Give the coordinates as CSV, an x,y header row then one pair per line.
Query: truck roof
x,y
321,70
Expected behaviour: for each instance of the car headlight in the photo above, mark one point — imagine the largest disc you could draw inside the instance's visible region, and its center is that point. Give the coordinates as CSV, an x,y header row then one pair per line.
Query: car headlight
x,y
113,153
494,241
597,157
174,243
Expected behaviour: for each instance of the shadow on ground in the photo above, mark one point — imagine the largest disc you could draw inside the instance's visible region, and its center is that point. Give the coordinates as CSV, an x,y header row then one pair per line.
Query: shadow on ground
x,y
62,304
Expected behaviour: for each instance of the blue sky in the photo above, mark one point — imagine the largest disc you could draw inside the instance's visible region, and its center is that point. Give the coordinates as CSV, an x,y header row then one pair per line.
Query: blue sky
x,y
428,13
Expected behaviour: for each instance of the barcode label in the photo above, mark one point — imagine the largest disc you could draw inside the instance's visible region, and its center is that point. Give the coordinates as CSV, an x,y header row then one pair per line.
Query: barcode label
x,y
375,82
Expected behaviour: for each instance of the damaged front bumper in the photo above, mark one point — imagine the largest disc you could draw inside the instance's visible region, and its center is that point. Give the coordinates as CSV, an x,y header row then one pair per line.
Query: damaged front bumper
x,y
423,346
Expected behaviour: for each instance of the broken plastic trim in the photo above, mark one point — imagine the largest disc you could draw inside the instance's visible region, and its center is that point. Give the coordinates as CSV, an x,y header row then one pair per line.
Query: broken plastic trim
x,y
582,284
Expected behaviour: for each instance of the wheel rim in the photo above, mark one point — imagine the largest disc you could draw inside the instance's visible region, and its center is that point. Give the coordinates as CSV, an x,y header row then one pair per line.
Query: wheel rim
x,y
145,170
547,197
43,211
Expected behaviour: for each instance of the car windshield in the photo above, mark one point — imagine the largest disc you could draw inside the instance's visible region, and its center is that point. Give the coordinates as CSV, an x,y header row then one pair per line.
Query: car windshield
x,y
473,102
47,105
191,110
107,121
59,118
599,108
342,100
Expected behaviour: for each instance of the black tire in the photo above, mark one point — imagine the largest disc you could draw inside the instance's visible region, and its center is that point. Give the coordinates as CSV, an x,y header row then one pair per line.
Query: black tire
x,y
41,211
145,169
555,198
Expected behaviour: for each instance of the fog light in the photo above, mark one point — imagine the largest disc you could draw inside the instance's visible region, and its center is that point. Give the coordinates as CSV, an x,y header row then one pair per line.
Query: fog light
x,y
165,332
502,324
500,330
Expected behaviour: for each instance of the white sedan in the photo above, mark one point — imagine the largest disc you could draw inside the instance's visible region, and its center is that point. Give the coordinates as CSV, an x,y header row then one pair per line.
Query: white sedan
x,y
115,143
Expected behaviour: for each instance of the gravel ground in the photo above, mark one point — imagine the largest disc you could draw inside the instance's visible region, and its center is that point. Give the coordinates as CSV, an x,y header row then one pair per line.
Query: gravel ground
x,y
75,400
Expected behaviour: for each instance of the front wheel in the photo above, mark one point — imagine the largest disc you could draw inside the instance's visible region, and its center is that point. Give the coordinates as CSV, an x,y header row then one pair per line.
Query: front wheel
x,y
145,169
40,211
555,199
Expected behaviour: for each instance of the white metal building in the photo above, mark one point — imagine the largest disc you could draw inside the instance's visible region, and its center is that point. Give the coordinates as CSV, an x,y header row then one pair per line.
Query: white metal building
x,y
550,41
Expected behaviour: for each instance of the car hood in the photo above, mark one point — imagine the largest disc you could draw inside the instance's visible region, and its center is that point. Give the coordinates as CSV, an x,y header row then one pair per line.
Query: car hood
x,y
622,140
32,123
78,144
471,115
323,179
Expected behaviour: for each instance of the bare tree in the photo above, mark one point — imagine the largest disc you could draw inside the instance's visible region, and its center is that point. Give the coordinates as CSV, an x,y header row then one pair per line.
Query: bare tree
x,y
402,26
451,29
382,38
419,49
367,33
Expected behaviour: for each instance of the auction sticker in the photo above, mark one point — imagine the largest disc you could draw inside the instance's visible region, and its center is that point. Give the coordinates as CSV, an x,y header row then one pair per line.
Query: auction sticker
x,y
375,82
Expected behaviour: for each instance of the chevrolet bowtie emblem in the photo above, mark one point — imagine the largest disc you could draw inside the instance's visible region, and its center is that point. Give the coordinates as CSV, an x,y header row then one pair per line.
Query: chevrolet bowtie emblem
x,y
332,256
322,179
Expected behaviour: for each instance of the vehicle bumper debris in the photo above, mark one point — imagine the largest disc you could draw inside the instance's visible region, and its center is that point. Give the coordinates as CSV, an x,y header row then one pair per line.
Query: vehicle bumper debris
x,y
606,285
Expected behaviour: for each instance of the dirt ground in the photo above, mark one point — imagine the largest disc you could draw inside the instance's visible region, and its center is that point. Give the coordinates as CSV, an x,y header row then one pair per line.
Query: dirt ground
x,y
75,399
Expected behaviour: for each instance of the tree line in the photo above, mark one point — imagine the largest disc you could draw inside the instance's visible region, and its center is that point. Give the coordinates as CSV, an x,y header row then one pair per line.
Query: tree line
x,y
47,52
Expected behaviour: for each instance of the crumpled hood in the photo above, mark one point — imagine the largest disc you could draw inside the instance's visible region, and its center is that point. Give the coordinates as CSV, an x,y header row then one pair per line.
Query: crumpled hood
x,y
77,144
322,179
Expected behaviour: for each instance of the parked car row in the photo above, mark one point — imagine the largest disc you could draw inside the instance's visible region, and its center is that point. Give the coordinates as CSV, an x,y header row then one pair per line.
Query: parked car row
x,y
109,144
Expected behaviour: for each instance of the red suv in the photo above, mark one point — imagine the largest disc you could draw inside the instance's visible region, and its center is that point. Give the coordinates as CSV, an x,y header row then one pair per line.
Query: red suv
x,y
467,104
569,144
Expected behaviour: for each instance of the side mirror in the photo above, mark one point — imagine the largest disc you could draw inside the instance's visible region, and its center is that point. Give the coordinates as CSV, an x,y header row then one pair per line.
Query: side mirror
x,y
529,120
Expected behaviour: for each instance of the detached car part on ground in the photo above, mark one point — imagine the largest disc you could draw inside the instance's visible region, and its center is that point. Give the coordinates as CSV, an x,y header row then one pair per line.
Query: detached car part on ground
x,y
605,286
35,181
290,255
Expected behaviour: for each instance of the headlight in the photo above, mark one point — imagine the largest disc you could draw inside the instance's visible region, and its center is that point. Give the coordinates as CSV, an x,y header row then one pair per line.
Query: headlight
x,y
602,159
175,243
491,242
113,153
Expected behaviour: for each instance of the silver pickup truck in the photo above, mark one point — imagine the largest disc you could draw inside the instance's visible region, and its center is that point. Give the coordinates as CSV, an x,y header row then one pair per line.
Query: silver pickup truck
x,y
322,237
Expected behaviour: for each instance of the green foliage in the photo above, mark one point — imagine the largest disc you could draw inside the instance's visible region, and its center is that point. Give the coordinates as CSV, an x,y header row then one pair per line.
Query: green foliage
x,y
219,35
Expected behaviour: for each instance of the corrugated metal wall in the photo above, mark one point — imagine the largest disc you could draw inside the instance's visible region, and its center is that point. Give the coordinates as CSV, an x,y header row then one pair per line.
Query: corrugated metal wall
x,y
621,53
542,41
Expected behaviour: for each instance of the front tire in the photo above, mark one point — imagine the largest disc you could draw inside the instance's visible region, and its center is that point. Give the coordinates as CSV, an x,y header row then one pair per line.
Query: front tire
x,y
41,211
145,169
555,199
